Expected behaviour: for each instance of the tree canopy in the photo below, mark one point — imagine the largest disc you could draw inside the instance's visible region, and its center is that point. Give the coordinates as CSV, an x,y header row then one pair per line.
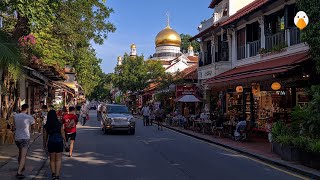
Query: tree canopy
x,y
185,43
62,31
102,91
136,74
311,34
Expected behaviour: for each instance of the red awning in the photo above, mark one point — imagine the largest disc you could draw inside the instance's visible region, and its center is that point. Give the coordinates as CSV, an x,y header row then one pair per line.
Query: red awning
x,y
261,69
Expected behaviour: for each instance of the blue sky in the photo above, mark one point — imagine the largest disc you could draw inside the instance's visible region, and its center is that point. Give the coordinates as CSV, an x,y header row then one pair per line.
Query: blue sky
x,y
139,21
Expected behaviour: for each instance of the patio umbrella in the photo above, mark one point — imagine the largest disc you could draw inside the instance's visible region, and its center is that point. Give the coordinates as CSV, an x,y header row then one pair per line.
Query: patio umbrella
x,y
188,98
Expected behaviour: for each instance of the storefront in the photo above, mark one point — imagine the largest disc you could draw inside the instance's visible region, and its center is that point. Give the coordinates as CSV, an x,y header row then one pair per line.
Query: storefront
x,y
264,92
188,96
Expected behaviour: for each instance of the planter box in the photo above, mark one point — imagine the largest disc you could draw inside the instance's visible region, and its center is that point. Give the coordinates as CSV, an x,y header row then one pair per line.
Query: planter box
x,y
276,148
305,158
290,153
315,160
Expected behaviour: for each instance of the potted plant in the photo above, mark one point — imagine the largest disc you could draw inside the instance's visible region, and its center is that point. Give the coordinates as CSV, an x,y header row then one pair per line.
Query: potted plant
x,y
278,128
314,149
288,151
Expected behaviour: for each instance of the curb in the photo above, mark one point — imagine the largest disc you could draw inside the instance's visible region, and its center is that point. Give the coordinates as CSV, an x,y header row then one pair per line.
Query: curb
x,y
256,156
262,158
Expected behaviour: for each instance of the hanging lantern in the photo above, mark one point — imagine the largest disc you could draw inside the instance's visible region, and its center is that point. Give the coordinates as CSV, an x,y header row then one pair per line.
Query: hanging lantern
x,y
275,86
239,89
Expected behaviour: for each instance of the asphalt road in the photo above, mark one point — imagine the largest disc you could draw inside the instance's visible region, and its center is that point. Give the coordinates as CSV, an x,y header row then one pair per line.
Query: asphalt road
x,y
151,155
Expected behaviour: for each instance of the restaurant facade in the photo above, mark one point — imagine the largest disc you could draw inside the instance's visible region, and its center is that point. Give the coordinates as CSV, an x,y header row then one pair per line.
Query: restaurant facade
x,y
253,64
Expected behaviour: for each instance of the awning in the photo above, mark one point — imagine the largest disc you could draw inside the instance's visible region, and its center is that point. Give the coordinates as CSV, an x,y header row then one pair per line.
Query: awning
x,y
71,85
188,98
261,69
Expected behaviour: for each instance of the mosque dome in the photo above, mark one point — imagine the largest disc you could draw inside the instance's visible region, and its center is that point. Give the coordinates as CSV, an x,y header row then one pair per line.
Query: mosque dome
x,y
168,37
133,46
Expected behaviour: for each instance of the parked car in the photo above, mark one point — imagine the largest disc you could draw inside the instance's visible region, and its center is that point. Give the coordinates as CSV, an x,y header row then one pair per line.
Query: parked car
x,y
119,118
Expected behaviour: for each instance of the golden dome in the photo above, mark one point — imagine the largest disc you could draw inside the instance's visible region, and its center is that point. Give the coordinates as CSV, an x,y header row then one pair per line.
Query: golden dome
x,y
190,47
168,37
133,46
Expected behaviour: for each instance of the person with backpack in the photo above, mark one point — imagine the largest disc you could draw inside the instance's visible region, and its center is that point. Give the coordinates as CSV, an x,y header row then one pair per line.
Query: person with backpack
x,y
69,122
53,140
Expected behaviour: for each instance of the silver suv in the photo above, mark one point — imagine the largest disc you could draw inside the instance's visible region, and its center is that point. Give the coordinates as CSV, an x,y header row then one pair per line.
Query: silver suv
x,y
118,118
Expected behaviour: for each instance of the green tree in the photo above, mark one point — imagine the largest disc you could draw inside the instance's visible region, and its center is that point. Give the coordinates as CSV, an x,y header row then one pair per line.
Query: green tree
x,y
311,34
185,42
63,31
102,91
136,74
10,65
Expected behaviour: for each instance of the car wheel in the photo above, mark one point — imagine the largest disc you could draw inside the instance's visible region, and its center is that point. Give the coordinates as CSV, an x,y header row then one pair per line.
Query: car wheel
x,y
132,132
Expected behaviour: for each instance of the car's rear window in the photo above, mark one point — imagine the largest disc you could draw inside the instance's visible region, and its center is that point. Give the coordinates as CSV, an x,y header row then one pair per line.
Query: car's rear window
x,y
117,109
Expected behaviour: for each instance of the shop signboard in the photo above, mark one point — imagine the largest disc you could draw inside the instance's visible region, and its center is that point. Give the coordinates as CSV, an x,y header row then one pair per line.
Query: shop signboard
x,y
185,90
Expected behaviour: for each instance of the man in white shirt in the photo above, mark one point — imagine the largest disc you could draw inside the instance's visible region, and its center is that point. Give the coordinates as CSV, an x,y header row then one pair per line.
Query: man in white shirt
x,y
203,116
21,125
146,114
84,113
99,111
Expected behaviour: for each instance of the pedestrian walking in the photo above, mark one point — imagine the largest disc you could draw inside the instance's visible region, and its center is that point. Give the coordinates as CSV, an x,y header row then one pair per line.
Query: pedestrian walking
x,y
78,110
84,113
69,122
146,113
99,111
159,117
53,140
21,127
152,115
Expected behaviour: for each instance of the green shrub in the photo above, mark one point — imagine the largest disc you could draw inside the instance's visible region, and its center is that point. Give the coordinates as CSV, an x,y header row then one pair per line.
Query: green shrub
x,y
301,142
314,146
279,128
285,139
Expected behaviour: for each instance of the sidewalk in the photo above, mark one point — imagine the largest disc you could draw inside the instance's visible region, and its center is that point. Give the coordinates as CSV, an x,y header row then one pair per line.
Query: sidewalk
x,y
256,149
35,159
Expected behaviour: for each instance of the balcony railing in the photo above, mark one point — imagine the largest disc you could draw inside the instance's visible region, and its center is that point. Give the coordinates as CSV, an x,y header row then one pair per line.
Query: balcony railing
x,y
294,36
277,39
254,47
241,52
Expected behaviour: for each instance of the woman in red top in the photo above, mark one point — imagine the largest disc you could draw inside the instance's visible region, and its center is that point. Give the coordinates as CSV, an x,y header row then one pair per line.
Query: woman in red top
x,y
70,127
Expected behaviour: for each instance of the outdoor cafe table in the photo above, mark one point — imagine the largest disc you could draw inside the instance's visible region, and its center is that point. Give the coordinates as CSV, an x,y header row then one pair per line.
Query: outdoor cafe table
x,y
202,124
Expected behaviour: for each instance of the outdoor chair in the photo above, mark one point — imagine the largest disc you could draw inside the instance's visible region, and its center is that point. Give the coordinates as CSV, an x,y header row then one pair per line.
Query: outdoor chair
x,y
3,127
9,136
217,131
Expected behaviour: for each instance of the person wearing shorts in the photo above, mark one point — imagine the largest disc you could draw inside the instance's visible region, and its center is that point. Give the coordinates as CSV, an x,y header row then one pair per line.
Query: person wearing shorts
x,y
70,127
21,126
53,140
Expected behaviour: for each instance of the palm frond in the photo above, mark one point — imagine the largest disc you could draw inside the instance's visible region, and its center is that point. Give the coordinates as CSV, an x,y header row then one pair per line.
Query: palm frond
x,y
9,53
